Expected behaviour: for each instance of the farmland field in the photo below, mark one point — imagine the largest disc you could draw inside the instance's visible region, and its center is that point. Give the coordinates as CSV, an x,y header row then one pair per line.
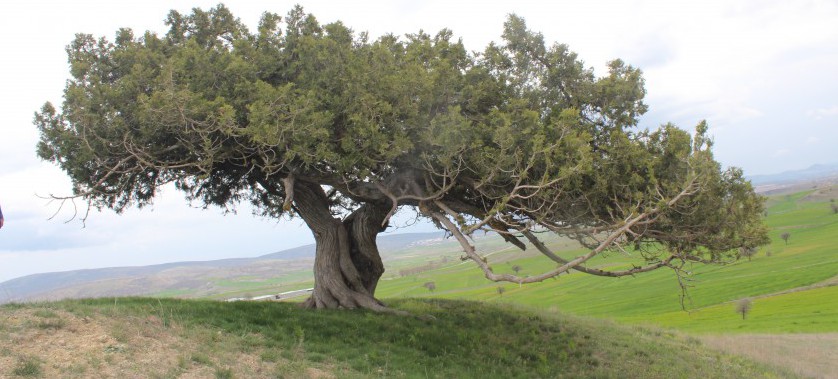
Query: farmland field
x,y
792,284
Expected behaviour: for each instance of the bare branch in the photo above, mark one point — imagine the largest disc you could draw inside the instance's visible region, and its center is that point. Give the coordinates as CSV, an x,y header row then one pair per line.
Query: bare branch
x,y
619,230
288,184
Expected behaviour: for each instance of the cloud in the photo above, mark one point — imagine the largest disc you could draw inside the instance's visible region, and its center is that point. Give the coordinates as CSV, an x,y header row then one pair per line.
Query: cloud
x,y
821,113
782,152
648,51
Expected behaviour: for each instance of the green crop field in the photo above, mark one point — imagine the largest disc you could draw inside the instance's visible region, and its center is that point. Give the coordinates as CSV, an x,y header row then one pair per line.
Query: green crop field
x,y
809,259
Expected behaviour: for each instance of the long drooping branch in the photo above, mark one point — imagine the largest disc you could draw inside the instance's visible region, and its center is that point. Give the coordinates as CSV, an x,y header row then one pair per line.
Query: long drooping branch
x,y
593,271
487,270
441,213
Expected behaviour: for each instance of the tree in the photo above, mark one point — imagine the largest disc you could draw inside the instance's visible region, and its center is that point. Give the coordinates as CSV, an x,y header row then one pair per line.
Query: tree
x,y
431,286
501,290
834,208
317,122
785,236
744,306
516,268
747,252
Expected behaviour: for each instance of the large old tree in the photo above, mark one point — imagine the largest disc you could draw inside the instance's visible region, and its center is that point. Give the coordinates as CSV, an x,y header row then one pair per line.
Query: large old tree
x,y
316,121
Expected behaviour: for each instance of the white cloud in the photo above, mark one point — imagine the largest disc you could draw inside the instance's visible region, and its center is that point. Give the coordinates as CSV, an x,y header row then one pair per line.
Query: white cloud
x,y
821,113
782,153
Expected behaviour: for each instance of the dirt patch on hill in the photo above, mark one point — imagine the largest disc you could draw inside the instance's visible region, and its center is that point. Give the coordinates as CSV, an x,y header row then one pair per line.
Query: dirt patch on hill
x,y
823,193
809,355
55,343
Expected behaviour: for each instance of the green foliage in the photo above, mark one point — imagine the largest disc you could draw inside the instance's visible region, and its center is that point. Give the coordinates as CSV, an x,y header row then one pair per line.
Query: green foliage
x,y
520,135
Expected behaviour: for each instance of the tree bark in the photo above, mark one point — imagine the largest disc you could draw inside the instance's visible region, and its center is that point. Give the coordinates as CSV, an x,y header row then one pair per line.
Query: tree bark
x,y
347,264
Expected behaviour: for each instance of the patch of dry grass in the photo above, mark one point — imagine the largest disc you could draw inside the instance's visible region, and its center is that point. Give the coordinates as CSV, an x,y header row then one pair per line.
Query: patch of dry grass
x,y
97,346
810,355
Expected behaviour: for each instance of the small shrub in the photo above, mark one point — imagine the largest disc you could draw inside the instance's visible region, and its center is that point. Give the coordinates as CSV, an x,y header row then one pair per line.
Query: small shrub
x,y
270,356
744,306
120,334
45,313
28,366
785,236
223,373
201,358
114,349
54,324
431,286
501,290
747,252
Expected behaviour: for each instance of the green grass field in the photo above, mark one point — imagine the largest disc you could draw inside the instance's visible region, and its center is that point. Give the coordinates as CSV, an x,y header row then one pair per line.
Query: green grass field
x,y
810,257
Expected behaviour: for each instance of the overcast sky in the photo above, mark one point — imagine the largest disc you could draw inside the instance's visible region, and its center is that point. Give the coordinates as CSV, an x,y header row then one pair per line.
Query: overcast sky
x,y
763,73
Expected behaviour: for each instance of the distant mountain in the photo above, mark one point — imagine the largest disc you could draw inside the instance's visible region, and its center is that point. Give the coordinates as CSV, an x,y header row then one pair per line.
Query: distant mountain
x,y
815,172
195,277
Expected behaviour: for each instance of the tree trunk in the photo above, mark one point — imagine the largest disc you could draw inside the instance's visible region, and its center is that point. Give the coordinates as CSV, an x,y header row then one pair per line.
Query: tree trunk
x,y
363,226
347,265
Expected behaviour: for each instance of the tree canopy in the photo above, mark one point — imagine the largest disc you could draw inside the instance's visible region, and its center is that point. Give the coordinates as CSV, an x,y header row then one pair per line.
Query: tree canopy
x,y
324,123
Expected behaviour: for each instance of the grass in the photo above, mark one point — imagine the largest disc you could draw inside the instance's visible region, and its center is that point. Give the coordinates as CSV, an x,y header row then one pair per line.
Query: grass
x,y
810,311
27,367
466,340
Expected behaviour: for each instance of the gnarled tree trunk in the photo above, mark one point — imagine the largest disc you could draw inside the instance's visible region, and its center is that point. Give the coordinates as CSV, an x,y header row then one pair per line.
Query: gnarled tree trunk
x,y
362,227
347,265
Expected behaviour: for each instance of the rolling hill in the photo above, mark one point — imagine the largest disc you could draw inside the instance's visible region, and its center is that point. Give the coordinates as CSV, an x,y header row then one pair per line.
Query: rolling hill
x,y
276,271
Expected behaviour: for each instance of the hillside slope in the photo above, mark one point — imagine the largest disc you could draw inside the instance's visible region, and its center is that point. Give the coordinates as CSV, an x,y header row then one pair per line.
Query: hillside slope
x,y
194,279
130,337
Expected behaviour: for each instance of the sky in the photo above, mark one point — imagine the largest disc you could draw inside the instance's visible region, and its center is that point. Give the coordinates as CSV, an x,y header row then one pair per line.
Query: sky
x,y
763,73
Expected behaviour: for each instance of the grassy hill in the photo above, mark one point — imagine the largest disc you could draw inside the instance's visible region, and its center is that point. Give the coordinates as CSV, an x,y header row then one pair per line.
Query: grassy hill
x,y
166,338
522,331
